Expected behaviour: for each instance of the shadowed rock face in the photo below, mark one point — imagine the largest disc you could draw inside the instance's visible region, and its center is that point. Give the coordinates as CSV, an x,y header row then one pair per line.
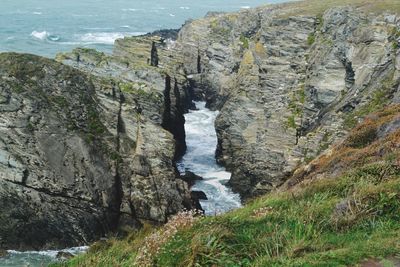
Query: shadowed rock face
x,y
77,158
288,85
57,185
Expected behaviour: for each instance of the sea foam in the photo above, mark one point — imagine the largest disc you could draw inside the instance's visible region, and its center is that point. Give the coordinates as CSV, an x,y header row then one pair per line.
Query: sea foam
x,y
52,253
105,37
40,35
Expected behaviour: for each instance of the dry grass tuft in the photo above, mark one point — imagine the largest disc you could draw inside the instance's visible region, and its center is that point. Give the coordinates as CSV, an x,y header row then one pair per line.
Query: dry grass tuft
x,y
362,146
154,242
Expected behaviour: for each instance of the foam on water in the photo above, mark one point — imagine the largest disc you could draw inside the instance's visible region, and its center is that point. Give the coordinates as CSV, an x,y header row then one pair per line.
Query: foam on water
x,y
105,37
36,258
45,36
41,35
201,140
101,37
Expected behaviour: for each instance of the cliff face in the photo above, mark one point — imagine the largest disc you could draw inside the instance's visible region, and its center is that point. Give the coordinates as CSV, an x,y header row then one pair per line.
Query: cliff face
x,y
56,183
89,145
288,85
81,155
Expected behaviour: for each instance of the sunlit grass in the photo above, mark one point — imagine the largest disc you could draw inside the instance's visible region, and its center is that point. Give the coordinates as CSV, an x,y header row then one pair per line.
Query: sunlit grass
x,y
316,7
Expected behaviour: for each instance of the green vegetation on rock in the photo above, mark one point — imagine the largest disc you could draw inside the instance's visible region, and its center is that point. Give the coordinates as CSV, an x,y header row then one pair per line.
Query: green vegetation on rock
x,y
245,41
311,39
378,100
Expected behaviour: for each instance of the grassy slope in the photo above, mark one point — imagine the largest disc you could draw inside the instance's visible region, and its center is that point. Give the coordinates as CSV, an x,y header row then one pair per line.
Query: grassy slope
x,y
316,7
336,221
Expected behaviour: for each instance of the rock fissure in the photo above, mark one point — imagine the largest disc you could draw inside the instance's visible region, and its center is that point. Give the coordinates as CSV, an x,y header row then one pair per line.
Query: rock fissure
x,y
48,192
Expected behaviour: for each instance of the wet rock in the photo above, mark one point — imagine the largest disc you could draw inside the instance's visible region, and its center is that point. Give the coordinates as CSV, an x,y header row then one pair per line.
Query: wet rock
x,y
190,178
3,253
62,255
196,196
200,195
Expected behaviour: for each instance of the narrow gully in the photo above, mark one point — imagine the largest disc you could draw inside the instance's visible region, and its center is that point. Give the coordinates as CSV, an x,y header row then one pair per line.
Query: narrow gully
x,y
201,141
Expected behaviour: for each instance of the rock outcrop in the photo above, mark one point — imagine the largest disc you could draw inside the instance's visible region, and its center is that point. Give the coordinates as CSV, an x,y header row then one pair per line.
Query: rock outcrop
x,y
288,85
80,155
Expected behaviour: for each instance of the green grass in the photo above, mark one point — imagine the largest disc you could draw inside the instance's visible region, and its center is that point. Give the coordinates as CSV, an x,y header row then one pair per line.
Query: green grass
x,y
301,227
244,41
291,122
311,39
113,252
378,100
317,7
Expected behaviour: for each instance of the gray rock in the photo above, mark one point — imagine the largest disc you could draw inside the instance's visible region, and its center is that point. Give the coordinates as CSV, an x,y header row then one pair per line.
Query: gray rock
x,y
286,84
77,158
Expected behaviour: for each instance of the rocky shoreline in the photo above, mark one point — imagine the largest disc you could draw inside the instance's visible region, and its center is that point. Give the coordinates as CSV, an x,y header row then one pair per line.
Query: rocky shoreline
x,y
89,141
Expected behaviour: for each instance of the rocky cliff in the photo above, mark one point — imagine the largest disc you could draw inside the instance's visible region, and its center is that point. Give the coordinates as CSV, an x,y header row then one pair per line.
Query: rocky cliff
x,y
289,84
81,155
88,145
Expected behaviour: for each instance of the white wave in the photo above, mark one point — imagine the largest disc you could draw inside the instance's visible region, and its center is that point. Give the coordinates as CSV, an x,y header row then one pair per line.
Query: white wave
x,y
172,15
44,35
37,13
40,35
97,28
101,37
130,9
245,7
184,7
52,253
125,26
201,140
84,15
53,38
105,37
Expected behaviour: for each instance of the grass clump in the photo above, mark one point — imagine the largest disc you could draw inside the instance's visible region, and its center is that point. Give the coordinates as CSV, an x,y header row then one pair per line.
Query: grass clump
x,y
260,49
245,41
295,105
308,226
311,39
291,122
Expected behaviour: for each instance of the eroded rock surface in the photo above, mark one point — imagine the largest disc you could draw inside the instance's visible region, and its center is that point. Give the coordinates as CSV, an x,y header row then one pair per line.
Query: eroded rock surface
x,y
80,155
288,85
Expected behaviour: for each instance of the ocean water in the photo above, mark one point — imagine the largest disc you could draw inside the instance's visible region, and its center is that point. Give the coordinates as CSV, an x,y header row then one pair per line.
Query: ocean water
x,y
46,27
201,140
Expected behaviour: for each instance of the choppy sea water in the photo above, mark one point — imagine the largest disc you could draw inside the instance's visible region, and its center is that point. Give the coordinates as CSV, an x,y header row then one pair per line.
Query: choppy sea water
x,y
46,27
201,140
36,258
